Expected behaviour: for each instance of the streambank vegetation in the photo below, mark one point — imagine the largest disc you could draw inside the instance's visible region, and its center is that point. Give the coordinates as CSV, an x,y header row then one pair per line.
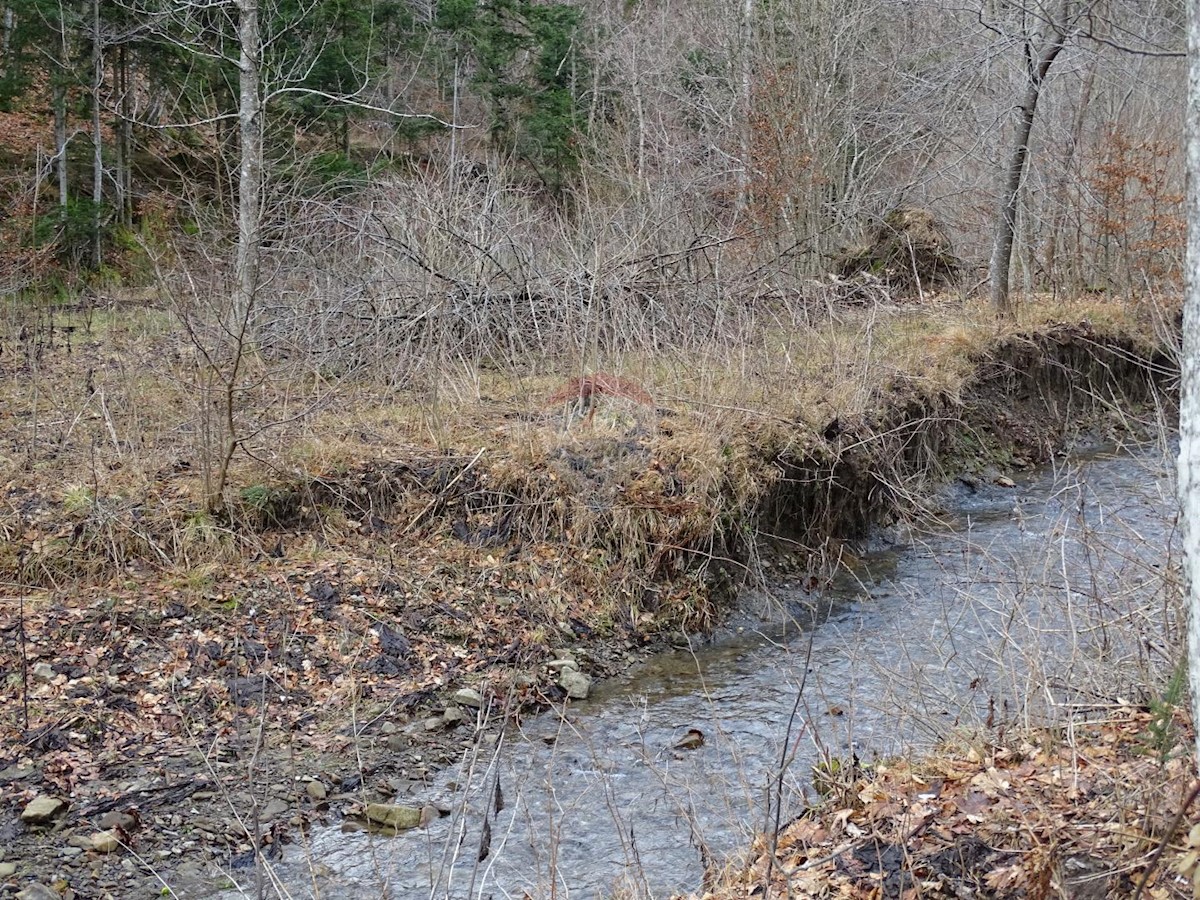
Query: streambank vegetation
x,y
356,358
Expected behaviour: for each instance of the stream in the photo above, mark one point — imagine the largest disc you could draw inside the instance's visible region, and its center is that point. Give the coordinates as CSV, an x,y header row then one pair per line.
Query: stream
x,y
1022,607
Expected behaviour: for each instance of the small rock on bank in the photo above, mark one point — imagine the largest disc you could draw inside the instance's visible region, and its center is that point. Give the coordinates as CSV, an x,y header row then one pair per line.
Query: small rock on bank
x,y
469,697
576,684
106,841
39,892
41,809
393,816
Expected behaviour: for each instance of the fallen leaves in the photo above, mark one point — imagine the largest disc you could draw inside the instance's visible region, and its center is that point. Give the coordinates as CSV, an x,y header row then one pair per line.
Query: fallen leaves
x,y
1034,821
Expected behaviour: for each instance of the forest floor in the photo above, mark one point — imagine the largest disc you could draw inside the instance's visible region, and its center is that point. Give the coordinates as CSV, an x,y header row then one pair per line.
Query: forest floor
x,y
371,603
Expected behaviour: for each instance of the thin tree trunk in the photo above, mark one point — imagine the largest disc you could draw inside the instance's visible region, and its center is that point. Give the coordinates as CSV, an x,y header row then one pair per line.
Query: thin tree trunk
x,y
1006,219
60,135
97,138
124,143
246,266
9,23
1189,409
250,168
745,94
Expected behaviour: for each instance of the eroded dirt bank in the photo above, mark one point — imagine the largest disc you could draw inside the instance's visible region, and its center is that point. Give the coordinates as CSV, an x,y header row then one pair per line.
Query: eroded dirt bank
x,y
187,710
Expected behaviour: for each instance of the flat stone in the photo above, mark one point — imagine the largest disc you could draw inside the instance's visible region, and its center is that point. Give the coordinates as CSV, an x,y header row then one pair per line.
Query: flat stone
x,y
392,816
434,723
70,852
468,697
561,665
8,870
39,892
42,809
106,841
82,841
576,684
452,716
316,790
43,671
275,808
16,773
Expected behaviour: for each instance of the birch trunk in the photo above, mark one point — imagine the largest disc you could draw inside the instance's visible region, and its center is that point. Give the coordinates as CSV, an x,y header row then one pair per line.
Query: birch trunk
x,y
1189,410
249,170
9,23
60,136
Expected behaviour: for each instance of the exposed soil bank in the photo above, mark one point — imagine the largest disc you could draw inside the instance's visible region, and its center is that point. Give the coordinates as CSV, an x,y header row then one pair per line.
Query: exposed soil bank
x,y
204,711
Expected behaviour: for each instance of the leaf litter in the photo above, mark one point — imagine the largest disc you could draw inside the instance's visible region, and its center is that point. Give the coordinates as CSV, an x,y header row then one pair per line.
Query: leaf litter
x,y
1042,817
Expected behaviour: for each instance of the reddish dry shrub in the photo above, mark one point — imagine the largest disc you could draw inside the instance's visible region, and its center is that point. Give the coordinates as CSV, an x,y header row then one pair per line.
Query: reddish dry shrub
x,y
600,384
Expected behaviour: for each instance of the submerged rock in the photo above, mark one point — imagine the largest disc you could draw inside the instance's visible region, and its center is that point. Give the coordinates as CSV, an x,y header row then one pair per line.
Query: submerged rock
x,y
392,816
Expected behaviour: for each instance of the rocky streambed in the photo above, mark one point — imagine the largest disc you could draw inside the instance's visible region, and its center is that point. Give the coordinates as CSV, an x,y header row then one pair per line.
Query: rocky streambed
x,y
1032,597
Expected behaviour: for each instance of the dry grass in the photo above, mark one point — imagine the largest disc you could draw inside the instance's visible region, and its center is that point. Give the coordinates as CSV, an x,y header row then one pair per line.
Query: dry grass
x,y
112,427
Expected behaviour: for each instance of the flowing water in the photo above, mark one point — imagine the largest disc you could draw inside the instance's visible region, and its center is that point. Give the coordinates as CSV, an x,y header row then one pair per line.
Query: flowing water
x,y
1024,606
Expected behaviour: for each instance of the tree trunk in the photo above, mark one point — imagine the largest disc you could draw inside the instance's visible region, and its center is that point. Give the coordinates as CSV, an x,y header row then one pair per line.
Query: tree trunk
x,y
1189,409
97,139
745,96
60,135
9,23
1006,219
249,170
124,131
249,242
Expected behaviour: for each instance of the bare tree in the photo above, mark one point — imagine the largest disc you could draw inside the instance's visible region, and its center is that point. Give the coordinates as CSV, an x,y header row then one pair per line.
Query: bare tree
x,y
1040,46
1189,410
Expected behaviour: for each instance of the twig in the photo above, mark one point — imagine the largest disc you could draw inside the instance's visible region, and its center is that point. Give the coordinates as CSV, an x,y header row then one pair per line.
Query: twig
x,y
1166,839
783,762
24,661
